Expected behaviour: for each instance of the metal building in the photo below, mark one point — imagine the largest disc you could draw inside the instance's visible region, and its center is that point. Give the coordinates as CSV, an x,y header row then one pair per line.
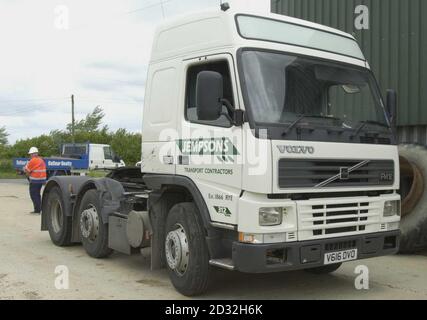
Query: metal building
x,y
393,36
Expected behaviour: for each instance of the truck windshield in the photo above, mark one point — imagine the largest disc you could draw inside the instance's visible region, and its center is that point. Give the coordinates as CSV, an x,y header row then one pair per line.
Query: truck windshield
x,y
292,91
74,150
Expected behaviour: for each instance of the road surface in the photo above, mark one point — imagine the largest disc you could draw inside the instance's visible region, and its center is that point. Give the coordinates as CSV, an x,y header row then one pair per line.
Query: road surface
x,y
28,261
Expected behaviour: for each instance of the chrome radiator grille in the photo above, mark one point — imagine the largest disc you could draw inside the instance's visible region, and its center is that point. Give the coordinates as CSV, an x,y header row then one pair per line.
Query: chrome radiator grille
x,y
311,173
334,218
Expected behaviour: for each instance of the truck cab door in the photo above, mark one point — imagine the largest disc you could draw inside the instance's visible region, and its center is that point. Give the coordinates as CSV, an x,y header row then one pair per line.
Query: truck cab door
x,y
96,157
210,152
108,158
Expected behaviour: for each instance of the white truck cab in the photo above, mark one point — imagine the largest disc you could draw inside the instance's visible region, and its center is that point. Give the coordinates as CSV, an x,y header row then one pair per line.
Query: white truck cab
x,y
266,147
102,156
98,156
314,157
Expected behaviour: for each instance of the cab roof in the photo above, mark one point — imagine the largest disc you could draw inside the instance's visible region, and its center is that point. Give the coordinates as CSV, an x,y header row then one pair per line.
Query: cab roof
x,y
211,29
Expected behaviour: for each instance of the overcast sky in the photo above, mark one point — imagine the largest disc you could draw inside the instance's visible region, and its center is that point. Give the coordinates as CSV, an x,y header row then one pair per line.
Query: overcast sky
x,y
102,59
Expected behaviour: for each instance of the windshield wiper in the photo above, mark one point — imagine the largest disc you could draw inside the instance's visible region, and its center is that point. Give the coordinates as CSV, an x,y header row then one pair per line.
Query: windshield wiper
x,y
302,117
365,123
293,124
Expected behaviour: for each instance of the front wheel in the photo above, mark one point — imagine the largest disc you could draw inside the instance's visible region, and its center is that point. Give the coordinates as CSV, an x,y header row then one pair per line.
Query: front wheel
x,y
93,231
186,250
325,269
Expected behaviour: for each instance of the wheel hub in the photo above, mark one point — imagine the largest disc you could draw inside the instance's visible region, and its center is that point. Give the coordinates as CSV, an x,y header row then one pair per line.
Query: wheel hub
x,y
89,223
56,216
177,252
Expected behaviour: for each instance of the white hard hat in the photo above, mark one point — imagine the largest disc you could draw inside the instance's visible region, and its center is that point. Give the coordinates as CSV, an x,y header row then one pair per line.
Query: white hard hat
x,y
33,150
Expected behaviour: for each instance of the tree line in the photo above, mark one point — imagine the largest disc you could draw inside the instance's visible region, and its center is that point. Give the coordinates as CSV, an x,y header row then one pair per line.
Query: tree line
x,y
125,144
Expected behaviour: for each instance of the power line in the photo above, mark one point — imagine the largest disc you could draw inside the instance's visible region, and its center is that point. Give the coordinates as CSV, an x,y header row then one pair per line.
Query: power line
x,y
29,100
35,108
24,109
111,101
161,3
25,106
20,112
17,110
131,82
17,113
118,15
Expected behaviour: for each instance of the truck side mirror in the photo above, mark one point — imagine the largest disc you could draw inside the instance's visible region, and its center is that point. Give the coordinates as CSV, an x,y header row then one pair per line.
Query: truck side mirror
x,y
209,92
392,106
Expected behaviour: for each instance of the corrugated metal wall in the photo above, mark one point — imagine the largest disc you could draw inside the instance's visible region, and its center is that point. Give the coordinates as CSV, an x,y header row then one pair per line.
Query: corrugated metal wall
x,y
413,134
395,44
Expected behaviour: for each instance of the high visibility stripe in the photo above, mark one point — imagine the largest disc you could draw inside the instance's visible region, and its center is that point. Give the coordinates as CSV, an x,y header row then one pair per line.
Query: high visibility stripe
x,y
38,171
37,179
38,176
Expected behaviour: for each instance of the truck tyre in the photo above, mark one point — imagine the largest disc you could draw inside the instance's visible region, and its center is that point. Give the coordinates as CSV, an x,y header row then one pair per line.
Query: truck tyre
x,y
186,251
93,231
413,169
325,269
58,223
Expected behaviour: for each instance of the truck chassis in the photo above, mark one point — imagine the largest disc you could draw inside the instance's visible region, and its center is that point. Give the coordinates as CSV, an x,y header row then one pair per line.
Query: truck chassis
x,y
129,211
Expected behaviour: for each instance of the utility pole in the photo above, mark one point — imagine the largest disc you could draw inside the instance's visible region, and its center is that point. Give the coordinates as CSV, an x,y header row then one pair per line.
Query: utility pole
x,y
72,118
163,9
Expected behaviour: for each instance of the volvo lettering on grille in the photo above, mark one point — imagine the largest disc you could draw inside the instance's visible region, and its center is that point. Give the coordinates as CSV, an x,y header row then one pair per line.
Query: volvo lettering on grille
x,y
296,149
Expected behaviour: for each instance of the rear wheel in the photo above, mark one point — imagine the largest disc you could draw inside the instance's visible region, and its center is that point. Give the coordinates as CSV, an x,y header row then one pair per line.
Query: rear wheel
x,y
59,224
93,231
186,251
325,269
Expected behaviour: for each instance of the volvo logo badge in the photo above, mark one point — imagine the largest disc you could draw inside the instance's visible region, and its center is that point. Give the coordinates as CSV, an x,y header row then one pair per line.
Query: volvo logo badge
x,y
296,149
344,174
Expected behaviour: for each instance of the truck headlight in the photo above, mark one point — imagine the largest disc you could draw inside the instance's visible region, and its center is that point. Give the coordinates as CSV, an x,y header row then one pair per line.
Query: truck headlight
x,y
269,217
392,208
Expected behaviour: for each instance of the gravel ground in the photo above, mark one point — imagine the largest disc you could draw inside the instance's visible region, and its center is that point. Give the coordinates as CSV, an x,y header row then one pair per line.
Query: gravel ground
x,y
28,260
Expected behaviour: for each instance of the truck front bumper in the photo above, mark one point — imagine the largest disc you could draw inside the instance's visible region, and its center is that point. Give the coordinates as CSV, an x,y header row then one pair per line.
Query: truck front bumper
x,y
266,258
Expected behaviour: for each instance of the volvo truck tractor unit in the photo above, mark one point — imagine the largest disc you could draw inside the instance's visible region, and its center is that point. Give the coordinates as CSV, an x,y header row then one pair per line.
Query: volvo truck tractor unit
x,y
267,147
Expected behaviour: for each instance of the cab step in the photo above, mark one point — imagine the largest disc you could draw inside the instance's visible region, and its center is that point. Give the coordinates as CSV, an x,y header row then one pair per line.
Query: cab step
x,y
225,263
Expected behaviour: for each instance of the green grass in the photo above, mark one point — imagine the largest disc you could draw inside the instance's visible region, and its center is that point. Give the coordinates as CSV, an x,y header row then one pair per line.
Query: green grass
x,y
7,171
97,173
10,175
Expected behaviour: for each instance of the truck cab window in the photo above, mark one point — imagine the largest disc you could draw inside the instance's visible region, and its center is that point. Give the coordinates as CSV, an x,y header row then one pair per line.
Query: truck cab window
x,y
352,95
108,155
281,88
304,93
74,151
190,104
